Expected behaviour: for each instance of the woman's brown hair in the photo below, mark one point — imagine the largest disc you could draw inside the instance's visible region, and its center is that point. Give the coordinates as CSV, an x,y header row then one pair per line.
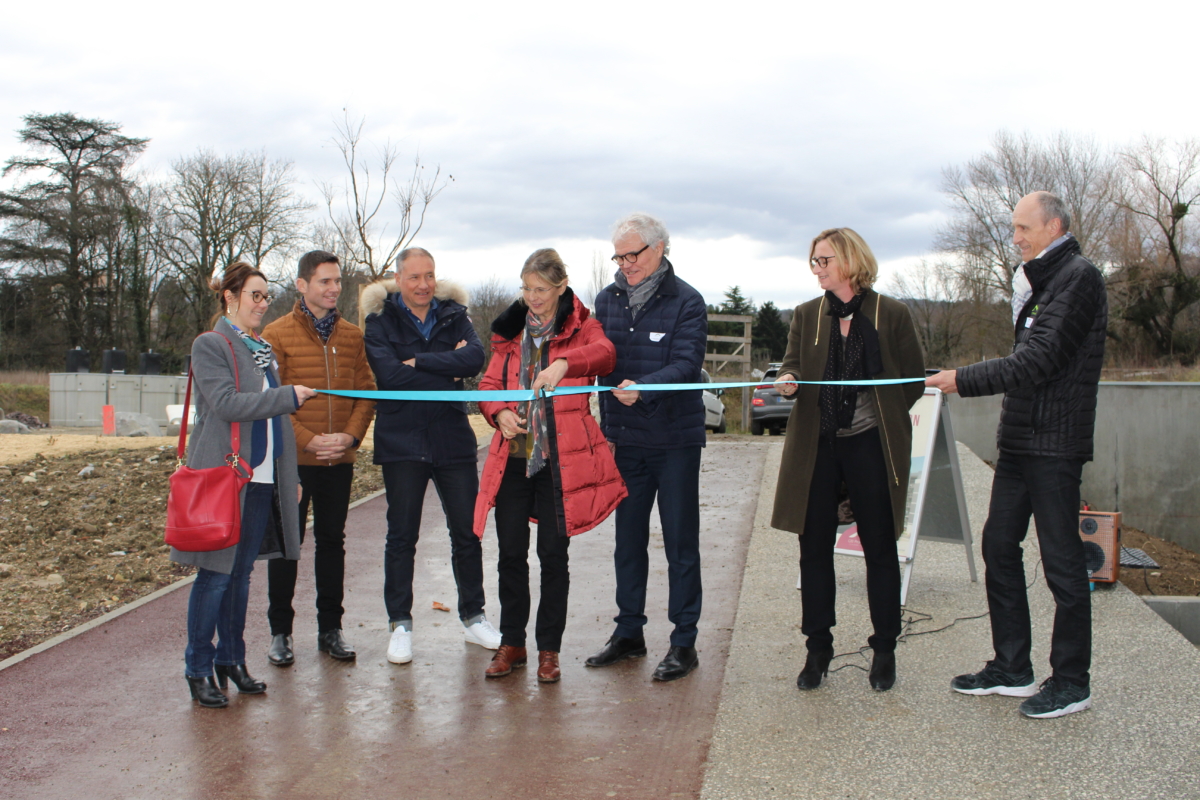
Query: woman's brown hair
x,y
234,280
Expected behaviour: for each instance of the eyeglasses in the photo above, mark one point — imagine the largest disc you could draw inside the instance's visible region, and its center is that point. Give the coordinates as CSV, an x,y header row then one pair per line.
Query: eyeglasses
x,y
539,291
260,297
821,262
628,258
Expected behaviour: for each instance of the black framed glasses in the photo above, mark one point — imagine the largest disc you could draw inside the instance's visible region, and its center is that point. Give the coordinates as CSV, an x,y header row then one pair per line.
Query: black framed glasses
x,y
629,258
259,297
821,262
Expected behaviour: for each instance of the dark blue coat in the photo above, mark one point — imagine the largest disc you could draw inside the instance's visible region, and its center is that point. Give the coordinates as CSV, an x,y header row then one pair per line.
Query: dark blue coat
x,y
665,345
414,430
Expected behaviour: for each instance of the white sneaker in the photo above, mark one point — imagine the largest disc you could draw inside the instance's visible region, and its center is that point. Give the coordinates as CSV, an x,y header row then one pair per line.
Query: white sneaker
x,y
483,634
400,646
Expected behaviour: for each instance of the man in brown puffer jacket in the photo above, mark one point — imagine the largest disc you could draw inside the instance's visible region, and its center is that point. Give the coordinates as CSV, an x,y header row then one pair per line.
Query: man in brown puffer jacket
x,y
316,347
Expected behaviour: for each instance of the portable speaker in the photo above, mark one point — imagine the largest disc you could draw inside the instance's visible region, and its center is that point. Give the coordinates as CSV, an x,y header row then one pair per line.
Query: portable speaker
x,y
1101,534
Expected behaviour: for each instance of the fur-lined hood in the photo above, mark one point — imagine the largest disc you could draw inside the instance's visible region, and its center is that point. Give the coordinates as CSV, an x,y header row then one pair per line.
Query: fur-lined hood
x,y
374,296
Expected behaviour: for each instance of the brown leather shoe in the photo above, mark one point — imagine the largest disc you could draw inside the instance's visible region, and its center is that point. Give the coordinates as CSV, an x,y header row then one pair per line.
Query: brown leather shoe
x,y
506,658
548,671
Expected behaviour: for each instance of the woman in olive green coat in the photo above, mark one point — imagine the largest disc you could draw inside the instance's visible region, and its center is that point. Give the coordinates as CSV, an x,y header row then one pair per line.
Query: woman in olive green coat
x,y
861,436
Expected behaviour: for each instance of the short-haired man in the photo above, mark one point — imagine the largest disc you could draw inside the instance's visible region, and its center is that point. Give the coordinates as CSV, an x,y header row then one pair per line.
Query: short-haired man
x,y
659,326
1049,381
419,338
316,347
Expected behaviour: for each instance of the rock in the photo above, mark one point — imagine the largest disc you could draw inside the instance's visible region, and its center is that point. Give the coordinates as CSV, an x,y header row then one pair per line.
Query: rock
x,y
54,581
6,570
87,527
12,426
87,471
5,472
131,424
29,479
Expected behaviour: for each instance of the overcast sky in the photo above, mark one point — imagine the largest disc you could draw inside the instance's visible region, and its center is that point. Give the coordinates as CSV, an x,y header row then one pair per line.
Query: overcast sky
x,y
747,128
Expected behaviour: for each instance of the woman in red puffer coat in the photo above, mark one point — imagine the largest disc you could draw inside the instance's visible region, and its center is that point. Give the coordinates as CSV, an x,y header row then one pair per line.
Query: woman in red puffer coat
x,y
548,460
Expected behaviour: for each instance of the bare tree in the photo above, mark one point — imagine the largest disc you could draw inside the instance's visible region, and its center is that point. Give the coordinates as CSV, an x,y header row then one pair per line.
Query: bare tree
x,y
356,209
488,299
984,192
599,277
1157,278
218,209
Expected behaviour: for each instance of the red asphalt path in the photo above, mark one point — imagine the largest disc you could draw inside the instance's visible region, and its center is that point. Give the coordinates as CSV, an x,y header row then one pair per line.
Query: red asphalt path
x,y
107,714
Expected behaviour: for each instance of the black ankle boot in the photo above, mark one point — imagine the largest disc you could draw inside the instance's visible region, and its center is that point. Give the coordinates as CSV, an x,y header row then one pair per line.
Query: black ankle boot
x,y
816,666
205,690
240,677
883,671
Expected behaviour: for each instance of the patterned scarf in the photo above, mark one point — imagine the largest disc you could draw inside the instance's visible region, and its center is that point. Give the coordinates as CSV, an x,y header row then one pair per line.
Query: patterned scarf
x,y
640,295
858,358
325,324
260,349
534,412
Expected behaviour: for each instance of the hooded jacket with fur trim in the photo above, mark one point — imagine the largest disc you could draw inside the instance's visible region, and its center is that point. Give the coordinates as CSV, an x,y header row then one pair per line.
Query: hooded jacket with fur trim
x,y
587,484
414,430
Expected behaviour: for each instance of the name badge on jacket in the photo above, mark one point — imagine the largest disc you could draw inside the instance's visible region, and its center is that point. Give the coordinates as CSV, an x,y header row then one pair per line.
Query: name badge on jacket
x,y
657,337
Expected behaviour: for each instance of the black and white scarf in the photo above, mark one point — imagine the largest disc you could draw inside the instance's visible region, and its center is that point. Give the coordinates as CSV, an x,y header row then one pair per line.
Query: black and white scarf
x,y
855,360
325,324
535,412
260,349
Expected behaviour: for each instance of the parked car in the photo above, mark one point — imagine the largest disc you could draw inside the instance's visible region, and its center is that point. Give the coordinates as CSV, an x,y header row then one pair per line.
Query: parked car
x,y
769,410
714,409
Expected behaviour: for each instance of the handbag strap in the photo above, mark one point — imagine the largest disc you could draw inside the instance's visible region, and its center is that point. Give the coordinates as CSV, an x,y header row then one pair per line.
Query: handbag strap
x,y
235,429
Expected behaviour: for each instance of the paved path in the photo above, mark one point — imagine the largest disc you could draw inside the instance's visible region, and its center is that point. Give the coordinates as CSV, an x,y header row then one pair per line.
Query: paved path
x,y
106,714
1141,739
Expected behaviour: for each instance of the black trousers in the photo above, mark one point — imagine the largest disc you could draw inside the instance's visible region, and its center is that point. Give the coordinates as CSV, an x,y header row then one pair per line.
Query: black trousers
x,y
1047,488
327,489
859,461
457,485
519,499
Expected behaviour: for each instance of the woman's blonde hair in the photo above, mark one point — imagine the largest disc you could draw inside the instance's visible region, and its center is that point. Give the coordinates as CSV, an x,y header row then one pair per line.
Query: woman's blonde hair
x,y
548,265
855,258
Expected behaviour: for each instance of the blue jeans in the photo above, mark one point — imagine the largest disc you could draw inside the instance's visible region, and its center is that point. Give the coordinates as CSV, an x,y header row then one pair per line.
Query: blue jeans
x,y
218,601
673,477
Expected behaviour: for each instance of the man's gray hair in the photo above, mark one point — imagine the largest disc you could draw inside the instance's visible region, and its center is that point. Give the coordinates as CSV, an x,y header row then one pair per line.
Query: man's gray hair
x,y
650,229
408,253
1054,208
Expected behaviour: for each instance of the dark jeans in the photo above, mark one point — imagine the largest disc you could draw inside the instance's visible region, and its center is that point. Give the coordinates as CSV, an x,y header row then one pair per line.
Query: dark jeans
x,y
519,499
327,488
673,476
218,601
1047,488
859,461
457,485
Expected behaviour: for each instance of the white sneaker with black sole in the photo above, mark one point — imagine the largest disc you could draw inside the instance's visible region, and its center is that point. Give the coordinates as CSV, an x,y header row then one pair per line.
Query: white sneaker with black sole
x,y
482,633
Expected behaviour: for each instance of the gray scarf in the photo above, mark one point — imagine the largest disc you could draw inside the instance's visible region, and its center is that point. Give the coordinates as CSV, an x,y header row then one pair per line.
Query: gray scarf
x,y
640,295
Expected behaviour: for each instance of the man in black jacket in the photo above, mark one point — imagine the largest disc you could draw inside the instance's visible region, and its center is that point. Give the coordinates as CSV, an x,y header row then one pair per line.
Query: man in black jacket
x,y
1049,381
418,337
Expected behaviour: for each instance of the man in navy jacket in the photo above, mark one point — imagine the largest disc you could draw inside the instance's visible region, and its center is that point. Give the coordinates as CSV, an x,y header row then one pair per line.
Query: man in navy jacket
x,y
659,326
418,337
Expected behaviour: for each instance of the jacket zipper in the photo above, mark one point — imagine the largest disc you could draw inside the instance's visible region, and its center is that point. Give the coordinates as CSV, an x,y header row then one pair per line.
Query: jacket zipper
x,y
328,385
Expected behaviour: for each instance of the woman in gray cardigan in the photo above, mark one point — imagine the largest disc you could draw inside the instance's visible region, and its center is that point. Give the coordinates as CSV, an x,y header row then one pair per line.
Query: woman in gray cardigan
x,y
270,524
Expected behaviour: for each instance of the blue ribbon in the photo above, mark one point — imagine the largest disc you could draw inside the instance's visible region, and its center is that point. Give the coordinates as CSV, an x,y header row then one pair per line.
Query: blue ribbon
x,y
526,395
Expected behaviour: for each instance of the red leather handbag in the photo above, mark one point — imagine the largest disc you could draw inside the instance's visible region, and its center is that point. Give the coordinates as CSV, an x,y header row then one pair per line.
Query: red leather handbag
x,y
204,508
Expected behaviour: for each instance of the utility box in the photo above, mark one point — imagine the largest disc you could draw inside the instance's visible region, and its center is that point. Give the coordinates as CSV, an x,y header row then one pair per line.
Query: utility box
x,y
79,360
113,361
150,363
76,399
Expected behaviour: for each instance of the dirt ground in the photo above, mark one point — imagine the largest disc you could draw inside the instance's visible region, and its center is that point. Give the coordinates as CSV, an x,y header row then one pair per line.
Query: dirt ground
x,y
1180,573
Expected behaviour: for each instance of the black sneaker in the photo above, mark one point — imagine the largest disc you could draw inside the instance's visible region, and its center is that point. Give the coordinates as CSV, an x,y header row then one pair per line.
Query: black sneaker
x,y
1057,699
992,680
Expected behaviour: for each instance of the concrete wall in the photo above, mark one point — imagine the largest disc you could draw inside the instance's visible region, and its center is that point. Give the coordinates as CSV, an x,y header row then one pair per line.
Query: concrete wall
x,y
76,399
1183,613
1147,460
